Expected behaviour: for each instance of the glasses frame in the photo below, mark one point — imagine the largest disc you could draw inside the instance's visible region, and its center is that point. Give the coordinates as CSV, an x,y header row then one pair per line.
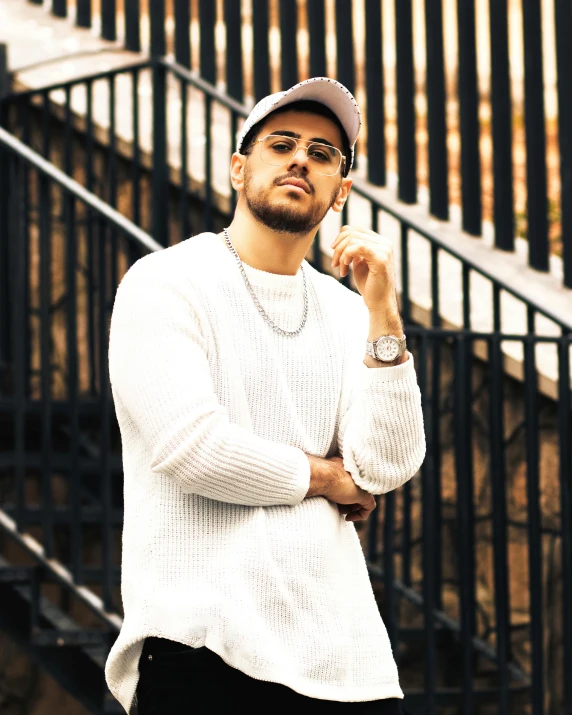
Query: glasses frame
x,y
297,142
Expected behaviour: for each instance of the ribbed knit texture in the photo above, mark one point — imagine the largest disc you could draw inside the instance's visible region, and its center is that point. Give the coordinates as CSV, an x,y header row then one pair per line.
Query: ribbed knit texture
x,y
217,411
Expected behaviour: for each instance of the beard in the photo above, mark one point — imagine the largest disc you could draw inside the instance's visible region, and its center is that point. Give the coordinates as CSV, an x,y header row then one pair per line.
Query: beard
x,y
282,216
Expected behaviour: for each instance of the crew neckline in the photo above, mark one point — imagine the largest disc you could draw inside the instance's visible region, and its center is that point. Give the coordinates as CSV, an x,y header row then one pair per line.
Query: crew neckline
x,y
264,279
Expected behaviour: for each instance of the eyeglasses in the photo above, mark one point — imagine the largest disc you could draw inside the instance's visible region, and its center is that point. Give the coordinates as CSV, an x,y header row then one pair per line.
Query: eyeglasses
x,y
278,150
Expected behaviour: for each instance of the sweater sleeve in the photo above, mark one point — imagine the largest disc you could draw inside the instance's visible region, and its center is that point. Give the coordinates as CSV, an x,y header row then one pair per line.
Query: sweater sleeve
x,y
381,435
161,382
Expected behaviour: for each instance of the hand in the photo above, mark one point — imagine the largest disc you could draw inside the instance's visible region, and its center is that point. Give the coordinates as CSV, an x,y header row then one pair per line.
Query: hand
x,y
341,489
373,262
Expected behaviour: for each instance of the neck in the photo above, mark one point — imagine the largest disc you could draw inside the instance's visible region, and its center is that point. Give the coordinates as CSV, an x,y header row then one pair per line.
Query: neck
x,y
268,250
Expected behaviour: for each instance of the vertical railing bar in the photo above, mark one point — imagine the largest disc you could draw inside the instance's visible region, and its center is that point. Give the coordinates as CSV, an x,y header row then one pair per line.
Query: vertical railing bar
x,y
499,512
45,282
72,386
435,307
184,164
534,526
435,440
27,249
375,92
183,32
374,216
389,568
406,537
405,298
345,61
469,118
132,25
563,22
68,148
46,125
534,122
89,144
136,167
288,43
18,320
436,111
405,87
208,164
160,175
565,468
106,504
429,530
234,62
372,534
465,524
59,8
496,307
83,13
466,289
261,59
501,126
207,17
108,20
112,176
157,28
345,221
317,33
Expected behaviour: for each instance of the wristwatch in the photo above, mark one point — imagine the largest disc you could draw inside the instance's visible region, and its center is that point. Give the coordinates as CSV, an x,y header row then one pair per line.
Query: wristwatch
x,y
387,348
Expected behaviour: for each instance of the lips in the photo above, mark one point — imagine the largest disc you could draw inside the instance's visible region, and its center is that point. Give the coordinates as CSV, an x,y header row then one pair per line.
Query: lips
x,y
296,182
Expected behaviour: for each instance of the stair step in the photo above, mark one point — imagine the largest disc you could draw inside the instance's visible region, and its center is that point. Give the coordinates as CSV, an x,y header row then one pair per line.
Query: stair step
x,y
69,638
15,575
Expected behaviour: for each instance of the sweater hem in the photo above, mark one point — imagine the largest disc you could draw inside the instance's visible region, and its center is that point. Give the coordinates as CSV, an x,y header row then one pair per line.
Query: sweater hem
x,y
307,687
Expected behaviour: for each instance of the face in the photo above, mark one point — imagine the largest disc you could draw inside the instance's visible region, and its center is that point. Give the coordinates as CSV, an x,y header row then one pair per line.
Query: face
x,y
271,198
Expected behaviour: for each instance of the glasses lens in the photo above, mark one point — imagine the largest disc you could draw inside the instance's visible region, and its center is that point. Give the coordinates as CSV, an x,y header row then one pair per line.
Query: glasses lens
x,y
324,159
277,150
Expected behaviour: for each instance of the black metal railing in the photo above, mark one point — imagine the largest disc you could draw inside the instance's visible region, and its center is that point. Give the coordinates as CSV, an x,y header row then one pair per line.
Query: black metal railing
x,y
475,556
545,217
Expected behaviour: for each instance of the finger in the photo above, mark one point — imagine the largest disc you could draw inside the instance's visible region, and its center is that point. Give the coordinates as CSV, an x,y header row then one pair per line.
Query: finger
x,y
359,233
369,254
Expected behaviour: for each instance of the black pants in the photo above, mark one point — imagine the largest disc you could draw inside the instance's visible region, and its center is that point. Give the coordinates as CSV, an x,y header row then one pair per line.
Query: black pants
x,y
178,680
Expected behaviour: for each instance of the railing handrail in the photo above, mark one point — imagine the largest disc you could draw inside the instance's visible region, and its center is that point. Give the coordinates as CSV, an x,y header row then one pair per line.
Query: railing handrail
x,y
360,187
131,231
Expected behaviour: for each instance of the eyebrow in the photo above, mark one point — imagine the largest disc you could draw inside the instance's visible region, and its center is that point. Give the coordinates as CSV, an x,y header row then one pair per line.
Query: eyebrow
x,y
295,135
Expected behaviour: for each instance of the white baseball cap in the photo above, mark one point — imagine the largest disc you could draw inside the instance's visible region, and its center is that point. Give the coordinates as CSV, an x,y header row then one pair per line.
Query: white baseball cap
x,y
324,90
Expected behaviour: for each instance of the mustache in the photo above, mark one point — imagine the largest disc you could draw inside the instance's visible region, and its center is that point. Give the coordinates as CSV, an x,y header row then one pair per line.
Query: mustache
x,y
292,175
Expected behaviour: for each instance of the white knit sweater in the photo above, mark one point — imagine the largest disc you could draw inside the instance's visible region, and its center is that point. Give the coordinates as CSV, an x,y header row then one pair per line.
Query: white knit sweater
x,y
216,411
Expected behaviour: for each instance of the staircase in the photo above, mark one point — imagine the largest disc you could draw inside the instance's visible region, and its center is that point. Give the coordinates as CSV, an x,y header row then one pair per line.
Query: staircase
x,y
79,203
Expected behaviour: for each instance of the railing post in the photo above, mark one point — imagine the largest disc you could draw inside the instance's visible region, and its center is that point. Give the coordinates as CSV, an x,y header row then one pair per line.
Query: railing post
x,y
260,49
317,31
288,44
160,175
233,24
207,18
376,164
406,148
4,232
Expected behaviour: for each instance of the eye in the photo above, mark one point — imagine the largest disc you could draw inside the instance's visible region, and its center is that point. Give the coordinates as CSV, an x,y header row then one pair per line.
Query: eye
x,y
281,145
320,153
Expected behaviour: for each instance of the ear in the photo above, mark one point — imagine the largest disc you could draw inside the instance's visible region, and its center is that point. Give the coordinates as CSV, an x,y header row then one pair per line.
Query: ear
x,y
342,196
237,171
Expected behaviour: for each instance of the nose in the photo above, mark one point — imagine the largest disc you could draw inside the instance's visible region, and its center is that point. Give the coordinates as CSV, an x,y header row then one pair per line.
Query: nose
x,y
300,158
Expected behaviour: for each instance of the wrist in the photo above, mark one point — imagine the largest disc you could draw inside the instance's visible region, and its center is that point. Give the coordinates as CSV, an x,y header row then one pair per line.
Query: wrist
x,y
320,476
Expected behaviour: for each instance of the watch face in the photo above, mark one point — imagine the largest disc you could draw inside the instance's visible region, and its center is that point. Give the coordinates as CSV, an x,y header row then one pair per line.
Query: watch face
x,y
387,349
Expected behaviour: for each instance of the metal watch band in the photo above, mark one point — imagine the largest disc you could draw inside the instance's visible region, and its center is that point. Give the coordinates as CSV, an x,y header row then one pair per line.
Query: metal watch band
x,y
371,345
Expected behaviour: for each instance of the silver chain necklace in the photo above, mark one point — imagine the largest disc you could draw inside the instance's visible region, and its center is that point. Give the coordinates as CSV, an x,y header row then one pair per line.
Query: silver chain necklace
x,y
274,327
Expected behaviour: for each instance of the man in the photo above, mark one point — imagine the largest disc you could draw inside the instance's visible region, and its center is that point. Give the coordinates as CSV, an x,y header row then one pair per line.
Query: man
x,y
256,429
